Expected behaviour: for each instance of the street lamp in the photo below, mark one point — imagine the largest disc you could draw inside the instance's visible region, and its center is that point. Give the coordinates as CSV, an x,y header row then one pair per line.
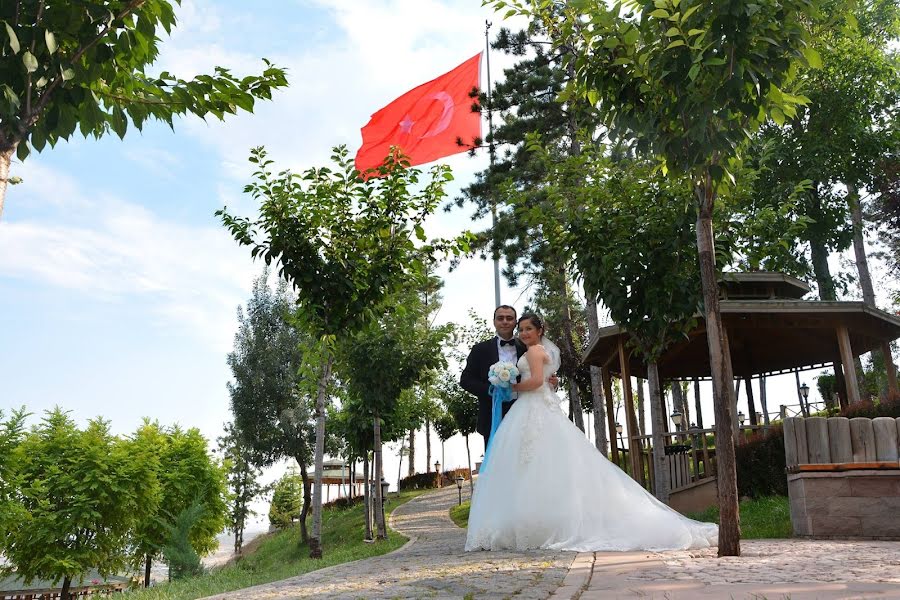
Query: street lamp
x,y
437,469
401,453
384,490
741,418
804,391
676,419
618,428
759,418
459,482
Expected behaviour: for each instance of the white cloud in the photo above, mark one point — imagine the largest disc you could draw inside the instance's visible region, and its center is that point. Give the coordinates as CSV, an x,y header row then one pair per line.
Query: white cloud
x,y
192,277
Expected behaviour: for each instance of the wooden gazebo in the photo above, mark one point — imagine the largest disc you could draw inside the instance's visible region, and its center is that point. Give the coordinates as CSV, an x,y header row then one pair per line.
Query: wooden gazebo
x,y
770,331
337,472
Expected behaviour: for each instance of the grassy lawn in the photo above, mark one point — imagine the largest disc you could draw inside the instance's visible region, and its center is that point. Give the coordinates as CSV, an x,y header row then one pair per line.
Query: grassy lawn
x,y
280,555
764,518
460,514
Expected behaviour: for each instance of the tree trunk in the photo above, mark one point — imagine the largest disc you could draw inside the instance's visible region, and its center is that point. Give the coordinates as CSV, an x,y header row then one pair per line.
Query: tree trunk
x,y
427,445
642,426
367,496
859,246
379,500
697,406
722,377
570,355
315,540
751,404
411,467
147,564
658,421
5,160
762,400
64,592
599,401
307,500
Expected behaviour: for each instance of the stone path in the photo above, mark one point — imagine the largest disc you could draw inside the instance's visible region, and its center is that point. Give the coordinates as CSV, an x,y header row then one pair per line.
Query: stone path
x,y
433,565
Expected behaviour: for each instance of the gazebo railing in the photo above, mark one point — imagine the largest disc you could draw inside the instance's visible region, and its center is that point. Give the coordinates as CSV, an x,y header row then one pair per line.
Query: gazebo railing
x,y
690,457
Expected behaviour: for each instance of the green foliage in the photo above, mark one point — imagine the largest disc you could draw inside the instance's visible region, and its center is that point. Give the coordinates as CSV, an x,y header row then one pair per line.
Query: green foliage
x,y
12,431
761,465
82,492
420,481
445,426
271,408
287,500
243,481
186,474
84,66
178,551
460,514
461,406
871,409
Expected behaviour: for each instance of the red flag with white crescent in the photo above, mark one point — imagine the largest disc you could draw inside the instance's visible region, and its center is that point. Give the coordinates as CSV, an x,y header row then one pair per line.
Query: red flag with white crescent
x,y
427,122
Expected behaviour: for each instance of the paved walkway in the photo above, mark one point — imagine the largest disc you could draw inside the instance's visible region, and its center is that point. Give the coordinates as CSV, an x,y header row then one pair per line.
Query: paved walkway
x,y
433,565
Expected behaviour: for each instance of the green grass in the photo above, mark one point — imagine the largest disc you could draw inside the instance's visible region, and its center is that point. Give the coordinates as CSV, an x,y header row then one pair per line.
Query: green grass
x,y
460,514
763,518
280,555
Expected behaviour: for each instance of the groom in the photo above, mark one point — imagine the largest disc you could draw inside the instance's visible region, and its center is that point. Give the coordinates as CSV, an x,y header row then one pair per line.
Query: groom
x,y
474,379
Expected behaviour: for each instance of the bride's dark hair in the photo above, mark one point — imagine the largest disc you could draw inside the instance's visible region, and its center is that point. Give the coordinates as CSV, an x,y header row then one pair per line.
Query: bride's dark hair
x,y
535,320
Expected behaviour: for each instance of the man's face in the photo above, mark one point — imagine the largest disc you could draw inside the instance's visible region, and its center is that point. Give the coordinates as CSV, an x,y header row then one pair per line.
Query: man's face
x,y
505,322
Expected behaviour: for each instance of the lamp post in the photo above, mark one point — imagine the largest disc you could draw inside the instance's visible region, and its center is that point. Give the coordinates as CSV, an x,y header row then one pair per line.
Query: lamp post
x,y
437,469
459,482
741,418
621,441
804,393
676,420
401,453
384,490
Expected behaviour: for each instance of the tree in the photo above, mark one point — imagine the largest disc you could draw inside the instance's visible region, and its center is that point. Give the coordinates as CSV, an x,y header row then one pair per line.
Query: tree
x,y
287,500
688,82
179,553
462,409
12,430
445,427
186,474
242,476
273,409
83,66
345,244
82,492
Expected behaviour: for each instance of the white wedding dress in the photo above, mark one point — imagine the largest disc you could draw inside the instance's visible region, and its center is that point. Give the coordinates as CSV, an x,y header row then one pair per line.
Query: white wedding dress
x,y
546,486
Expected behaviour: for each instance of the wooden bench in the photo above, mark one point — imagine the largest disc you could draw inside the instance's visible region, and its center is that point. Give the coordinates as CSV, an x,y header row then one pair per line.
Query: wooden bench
x,y
844,476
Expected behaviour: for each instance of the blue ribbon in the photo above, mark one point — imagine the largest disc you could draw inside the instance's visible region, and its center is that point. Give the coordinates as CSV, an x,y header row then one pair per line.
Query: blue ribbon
x,y
499,395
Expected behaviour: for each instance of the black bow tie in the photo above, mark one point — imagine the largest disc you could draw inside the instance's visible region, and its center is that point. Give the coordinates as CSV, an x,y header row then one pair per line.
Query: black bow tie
x,y
507,342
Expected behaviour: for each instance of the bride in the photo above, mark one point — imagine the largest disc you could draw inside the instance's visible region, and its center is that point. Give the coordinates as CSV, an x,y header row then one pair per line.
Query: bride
x,y
544,485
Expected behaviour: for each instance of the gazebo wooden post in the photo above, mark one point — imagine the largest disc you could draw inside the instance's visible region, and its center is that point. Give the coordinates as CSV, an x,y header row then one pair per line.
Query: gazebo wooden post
x,y
849,369
610,415
634,445
889,367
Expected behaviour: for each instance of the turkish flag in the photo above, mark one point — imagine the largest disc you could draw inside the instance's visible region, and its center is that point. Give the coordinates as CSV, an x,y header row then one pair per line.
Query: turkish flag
x,y
426,122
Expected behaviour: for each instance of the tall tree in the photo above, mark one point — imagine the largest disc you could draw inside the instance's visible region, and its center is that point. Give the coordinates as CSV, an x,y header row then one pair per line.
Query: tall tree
x,y
345,244
12,431
84,66
688,81
462,409
243,481
273,410
82,492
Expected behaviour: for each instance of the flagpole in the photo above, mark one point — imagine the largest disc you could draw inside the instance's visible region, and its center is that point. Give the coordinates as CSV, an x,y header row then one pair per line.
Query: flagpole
x,y
487,56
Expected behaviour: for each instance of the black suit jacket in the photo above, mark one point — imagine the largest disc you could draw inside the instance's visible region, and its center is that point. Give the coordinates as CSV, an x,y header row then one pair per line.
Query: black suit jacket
x,y
474,379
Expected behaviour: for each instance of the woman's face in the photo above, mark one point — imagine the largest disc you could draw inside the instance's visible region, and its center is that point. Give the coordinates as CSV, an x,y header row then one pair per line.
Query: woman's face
x,y
528,333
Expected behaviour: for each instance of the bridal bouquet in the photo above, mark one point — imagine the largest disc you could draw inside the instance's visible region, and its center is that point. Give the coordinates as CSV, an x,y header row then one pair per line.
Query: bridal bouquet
x,y
503,374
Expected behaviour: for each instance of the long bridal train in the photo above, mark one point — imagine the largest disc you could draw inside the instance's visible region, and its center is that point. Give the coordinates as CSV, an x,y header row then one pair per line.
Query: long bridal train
x,y
546,486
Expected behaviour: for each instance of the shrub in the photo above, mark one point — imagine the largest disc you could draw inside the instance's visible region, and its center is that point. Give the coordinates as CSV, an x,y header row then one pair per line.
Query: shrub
x,y
179,554
344,502
423,481
889,407
287,501
761,465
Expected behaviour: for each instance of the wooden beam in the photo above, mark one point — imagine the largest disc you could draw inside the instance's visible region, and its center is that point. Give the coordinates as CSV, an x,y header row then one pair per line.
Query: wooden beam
x,y
843,337
634,446
610,416
889,367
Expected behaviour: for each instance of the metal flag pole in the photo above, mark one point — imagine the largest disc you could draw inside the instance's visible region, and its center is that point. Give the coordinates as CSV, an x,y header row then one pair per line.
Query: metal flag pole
x,y
491,153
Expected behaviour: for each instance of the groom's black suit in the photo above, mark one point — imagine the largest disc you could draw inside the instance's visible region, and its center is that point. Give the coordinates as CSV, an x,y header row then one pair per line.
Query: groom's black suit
x,y
474,379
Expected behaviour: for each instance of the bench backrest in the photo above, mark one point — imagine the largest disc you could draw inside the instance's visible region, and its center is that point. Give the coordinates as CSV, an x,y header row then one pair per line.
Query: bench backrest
x,y
820,440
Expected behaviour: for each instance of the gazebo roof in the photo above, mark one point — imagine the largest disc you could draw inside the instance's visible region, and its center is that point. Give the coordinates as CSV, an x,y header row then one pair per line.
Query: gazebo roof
x,y
765,336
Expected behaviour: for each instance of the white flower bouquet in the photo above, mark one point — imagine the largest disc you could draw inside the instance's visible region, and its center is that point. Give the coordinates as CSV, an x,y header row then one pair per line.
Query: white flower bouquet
x,y
503,374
